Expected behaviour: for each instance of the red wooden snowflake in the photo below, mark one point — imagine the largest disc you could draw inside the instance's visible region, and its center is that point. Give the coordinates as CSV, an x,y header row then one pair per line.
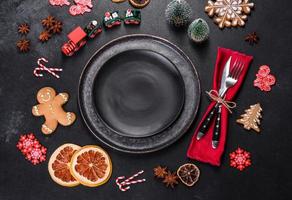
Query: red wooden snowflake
x,y
240,159
31,148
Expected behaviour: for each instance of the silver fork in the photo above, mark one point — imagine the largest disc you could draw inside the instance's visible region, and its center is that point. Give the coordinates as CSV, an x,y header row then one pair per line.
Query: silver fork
x,y
231,80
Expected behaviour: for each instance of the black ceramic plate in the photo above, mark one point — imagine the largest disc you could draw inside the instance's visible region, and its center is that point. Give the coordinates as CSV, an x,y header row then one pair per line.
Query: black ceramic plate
x,y
139,93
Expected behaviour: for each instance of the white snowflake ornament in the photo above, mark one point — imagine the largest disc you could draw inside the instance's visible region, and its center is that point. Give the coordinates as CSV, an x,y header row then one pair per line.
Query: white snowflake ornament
x,y
229,13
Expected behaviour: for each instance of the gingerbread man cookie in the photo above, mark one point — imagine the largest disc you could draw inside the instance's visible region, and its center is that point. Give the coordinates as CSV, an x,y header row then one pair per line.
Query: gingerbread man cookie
x,y
51,108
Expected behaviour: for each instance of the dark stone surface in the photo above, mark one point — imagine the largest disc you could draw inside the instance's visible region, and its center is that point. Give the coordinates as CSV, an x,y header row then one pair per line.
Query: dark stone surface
x,y
269,177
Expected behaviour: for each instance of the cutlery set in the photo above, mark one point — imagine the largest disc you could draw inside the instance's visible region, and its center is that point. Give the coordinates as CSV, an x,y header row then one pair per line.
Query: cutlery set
x,y
229,78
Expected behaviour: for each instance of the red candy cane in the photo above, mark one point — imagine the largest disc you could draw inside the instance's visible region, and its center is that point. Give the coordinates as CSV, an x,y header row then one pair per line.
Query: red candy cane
x,y
129,181
44,68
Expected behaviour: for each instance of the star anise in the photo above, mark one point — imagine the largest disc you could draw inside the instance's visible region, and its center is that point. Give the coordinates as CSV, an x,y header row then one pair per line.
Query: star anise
x,y
160,172
48,22
44,36
23,29
252,38
23,45
170,179
57,27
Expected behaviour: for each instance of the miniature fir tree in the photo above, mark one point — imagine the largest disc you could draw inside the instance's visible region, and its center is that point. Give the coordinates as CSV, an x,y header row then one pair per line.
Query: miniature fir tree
x,y
198,30
178,13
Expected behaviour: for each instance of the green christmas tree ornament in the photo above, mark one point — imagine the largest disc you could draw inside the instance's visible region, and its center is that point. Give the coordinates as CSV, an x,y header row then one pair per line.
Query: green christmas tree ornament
x,y
178,13
198,30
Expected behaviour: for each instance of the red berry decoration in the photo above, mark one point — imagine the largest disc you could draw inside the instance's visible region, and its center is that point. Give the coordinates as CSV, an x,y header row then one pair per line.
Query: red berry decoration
x,y
240,159
31,148
264,79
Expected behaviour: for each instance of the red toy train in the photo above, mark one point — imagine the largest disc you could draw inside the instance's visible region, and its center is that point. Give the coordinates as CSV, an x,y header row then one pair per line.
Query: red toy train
x,y
78,37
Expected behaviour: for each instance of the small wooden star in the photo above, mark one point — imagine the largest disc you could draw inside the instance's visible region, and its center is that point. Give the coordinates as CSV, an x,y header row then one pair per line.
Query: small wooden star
x,y
23,45
252,38
23,29
160,172
170,179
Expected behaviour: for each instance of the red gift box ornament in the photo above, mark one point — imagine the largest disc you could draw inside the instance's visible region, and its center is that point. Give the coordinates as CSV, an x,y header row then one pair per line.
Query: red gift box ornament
x,y
202,149
264,79
31,149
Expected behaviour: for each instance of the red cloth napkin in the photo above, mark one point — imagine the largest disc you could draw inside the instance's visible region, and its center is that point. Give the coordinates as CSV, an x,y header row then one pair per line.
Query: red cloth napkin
x,y
202,150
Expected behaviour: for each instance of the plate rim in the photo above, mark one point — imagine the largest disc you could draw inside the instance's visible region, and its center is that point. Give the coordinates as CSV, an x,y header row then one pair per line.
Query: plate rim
x,y
198,97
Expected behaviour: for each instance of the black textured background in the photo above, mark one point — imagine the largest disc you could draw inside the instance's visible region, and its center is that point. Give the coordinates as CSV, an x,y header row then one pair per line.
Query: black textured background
x,y
269,177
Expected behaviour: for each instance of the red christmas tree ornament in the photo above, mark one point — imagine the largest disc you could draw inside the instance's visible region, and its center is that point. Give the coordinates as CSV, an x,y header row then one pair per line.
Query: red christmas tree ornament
x,y
240,159
264,80
31,148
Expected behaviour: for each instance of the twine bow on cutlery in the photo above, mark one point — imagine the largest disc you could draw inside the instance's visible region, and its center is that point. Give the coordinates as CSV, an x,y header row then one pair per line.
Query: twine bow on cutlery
x,y
42,67
214,95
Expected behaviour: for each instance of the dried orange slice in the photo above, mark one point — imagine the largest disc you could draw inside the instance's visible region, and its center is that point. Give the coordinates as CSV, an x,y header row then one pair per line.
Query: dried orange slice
x,y
59,165
188,174
91,166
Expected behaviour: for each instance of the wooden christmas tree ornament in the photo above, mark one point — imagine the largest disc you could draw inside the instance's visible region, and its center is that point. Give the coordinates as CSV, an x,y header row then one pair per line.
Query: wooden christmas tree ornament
x,y
251,118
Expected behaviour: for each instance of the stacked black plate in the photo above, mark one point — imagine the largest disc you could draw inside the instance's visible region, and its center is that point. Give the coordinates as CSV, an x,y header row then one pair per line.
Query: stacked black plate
x,y
139,93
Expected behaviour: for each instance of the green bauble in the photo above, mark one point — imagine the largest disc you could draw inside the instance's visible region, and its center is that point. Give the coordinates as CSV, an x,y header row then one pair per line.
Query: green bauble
x,y
178,13
199,30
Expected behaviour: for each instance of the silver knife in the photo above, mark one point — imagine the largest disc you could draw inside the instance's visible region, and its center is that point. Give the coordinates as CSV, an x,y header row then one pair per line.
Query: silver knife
x,y
225,74
205,125
222,90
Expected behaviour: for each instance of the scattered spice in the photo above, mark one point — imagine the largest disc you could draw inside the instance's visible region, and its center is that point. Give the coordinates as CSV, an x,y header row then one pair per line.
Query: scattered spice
x,y
23,29
170,179
57,27
252,38
23,45
52,26
159,172
44,36
48,22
